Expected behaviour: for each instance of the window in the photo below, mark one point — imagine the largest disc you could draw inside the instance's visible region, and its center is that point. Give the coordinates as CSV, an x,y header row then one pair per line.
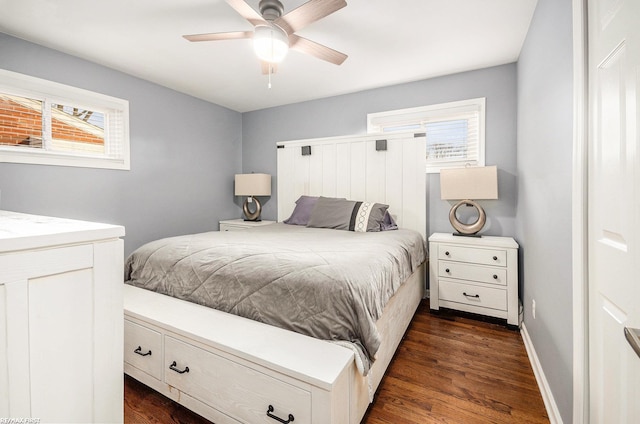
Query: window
x,y
454,131
42,122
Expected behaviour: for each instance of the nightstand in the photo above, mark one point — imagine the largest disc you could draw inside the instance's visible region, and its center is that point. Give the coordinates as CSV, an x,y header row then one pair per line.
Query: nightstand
x,y
241,224
477,275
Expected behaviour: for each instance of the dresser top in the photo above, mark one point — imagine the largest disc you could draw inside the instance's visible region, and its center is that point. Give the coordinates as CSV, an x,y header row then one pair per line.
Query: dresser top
x,y
484,241
19,231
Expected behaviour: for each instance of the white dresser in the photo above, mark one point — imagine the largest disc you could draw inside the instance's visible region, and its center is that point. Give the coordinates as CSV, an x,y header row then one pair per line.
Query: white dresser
x,y
61,320
477,275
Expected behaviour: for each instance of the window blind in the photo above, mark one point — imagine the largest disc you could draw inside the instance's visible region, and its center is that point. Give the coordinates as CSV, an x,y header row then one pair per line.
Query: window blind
x,y
454,131
454,140
63,125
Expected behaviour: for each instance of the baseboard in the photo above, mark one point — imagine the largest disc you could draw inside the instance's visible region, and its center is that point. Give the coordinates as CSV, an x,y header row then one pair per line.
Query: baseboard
x,y
543,385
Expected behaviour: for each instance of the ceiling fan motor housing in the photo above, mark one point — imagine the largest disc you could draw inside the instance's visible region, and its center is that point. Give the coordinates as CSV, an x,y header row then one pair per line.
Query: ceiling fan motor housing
x,y
271,9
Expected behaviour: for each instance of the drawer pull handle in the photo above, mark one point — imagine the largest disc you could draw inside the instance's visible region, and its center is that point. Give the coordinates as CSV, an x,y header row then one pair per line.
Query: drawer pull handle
x,y
476,296
174,367
495,258
270,415
495,277
446,253
139,351
447,270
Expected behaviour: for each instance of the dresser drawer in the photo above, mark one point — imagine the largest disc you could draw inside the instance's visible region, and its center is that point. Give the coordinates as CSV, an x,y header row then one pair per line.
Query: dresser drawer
x,y
241,392
463,271
472,255
470,294
143,348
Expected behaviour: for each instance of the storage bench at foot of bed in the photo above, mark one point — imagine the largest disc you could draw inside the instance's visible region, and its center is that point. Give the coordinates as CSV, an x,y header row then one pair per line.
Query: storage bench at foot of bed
x,y
230,369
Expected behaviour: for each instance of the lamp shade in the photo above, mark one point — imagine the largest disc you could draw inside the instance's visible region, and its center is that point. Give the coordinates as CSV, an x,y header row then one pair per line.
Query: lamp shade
x,y
469,183
253,185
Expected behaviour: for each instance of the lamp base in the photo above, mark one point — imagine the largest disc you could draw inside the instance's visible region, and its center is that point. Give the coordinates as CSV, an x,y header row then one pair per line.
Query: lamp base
x,y
467,229
467,235
252,216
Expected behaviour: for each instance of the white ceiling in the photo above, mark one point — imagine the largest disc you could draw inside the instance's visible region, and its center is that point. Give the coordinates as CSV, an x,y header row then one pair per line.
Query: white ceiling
x,y
388,42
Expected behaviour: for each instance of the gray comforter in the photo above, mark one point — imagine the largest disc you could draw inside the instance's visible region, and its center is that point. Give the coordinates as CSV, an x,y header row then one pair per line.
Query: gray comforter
x,y
324,283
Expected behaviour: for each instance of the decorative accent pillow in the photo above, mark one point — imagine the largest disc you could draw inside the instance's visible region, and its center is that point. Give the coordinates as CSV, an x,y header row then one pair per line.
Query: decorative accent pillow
x,y
350,215
302,211
388,223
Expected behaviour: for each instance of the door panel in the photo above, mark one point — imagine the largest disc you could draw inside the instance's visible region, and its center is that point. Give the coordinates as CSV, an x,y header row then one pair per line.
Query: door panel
x,y
614,227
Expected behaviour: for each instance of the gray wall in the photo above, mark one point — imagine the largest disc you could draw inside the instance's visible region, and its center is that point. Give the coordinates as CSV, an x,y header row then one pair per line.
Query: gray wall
x,y
184,153
347,114
545,121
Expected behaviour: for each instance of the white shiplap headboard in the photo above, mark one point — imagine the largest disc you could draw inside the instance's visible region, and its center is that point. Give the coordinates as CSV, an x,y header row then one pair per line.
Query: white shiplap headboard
x,y
352,168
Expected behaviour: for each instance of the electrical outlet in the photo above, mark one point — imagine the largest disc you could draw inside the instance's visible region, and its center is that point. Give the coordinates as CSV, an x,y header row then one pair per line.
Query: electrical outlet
x,y
533,308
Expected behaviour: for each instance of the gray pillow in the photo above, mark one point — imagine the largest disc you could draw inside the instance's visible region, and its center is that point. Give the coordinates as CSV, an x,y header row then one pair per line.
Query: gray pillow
x,y
388,223
302,211
341,214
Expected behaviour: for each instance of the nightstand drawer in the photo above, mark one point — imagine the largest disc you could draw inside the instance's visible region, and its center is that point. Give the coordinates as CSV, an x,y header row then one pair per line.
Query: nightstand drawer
x,y
470,294
462,271
472,254
231,227
240,224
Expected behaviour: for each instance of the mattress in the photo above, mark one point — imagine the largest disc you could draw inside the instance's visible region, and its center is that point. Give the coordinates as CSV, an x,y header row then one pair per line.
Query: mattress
x,y
324,283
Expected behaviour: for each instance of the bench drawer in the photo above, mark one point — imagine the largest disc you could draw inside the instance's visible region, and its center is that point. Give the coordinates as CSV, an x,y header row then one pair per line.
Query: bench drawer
x,y
143,348
239,391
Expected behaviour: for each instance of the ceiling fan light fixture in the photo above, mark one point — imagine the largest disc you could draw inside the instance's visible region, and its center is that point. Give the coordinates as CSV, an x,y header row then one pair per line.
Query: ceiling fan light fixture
x,y
270,43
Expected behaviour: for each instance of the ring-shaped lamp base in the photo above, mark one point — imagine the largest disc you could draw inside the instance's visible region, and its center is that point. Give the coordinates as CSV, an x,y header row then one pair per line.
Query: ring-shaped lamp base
x,y
469,230
249,215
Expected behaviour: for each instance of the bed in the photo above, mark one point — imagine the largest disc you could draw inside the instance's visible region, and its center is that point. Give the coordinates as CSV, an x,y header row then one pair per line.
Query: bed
x,y
239,363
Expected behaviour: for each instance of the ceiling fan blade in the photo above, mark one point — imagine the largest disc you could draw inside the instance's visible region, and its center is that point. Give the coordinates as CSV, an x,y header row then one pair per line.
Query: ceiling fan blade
x,y
247,12
268,68
309,12
317,50
214,36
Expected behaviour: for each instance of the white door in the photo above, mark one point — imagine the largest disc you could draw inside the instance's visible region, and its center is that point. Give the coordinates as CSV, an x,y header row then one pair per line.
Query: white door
x,y
614,210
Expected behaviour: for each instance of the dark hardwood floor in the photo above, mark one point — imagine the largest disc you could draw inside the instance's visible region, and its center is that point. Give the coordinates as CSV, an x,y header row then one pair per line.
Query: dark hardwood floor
x,y
448,369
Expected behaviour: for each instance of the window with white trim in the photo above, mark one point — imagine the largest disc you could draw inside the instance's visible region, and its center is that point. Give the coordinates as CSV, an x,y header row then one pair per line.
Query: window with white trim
x,y
43,122
454,131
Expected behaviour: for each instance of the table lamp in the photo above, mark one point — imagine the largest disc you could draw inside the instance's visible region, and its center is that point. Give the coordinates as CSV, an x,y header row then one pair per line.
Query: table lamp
x,y
468,184
252,185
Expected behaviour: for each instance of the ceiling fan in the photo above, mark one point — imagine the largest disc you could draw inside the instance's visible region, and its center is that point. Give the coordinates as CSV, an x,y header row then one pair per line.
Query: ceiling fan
x,y
274,33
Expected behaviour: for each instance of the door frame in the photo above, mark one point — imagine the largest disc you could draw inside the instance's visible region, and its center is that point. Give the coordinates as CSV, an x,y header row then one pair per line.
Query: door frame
x,y
579,212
